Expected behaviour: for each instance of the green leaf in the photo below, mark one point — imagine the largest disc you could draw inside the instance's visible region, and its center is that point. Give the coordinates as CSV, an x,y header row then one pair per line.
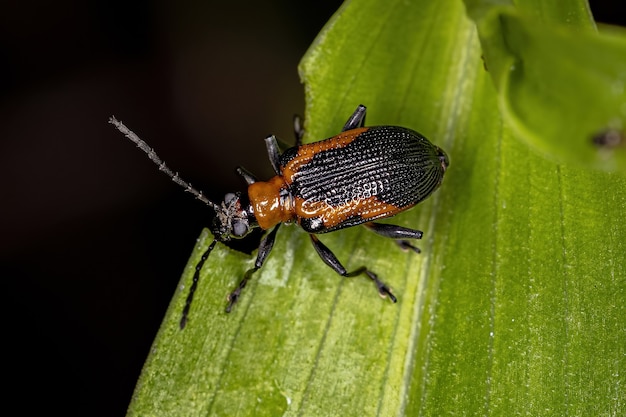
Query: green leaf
x,y
515,306
562,85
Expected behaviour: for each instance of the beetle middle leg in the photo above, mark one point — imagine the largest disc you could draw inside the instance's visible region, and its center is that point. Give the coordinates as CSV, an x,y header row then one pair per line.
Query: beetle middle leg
x,y
398,233
357,119
265,247
298,130
331,260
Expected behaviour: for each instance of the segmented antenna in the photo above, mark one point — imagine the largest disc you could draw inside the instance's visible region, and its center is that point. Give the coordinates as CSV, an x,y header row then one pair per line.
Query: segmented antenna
x,y
159,162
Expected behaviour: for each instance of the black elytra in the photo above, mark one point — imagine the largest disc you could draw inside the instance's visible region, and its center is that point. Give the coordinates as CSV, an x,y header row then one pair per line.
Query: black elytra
x,y
353,178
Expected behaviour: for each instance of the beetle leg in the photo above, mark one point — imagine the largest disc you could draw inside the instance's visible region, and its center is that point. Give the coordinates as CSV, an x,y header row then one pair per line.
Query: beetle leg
x,y
331,260
298,130
394,232
265,247
398,233
272,151
246,175
406,245
357,119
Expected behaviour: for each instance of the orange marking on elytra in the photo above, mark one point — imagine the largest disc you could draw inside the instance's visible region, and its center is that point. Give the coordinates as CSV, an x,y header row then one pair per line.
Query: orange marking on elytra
x,y
369,208
308,151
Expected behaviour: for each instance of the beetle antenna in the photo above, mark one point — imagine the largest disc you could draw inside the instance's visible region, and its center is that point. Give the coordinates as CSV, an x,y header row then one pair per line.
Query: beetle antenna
x,y
159,162
194,284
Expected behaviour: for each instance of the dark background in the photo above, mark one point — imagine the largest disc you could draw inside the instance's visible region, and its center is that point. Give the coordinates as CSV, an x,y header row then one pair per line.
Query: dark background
x,y
93,238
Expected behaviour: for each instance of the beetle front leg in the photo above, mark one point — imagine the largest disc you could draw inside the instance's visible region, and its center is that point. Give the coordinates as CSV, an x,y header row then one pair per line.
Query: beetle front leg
x,y
265,247
246,175
331,260
398,233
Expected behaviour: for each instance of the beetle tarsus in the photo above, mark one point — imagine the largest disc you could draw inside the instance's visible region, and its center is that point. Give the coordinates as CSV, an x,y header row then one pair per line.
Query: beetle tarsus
x,y
406,245
383,289
233,297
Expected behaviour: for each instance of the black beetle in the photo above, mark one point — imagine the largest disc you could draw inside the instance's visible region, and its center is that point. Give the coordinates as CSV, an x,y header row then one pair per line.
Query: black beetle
x,y
360,175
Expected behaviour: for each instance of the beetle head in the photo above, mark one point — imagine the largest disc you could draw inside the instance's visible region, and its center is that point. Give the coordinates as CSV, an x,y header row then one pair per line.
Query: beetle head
x,y
232,220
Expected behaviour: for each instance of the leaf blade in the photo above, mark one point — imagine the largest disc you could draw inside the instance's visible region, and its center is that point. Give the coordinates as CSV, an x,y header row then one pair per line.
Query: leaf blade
x,y
514,306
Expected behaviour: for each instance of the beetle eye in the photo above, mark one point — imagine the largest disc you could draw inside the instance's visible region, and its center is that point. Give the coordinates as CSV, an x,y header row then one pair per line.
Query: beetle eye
x,y
229,197
240,228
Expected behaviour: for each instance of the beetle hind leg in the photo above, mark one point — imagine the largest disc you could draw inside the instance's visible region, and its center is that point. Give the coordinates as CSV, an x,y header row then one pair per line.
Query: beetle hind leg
x,y
331,260
398,233
383,289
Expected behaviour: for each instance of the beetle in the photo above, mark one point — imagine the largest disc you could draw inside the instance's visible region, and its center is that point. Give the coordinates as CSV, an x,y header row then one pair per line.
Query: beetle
x,y
358,176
